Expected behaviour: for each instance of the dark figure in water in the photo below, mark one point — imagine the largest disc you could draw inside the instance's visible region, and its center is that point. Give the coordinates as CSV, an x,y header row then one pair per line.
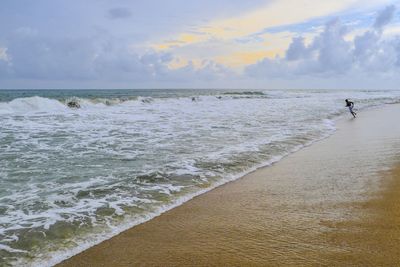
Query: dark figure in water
x,y
350,105
73,104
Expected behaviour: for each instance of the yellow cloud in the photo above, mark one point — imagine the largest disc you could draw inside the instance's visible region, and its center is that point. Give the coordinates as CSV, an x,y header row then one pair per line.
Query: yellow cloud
x,y
274,44
286,12
392,30
277,13
183,39
238,55
238,59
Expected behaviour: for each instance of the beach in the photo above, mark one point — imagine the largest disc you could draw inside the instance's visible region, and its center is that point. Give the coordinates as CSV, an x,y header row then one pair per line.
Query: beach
x,y
333,203
195,133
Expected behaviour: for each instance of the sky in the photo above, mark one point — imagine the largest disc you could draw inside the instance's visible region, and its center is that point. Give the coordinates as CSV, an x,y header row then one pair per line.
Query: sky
x,y
260,44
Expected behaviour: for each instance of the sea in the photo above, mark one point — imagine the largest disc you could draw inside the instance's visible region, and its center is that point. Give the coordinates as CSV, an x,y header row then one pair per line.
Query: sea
x,y
79,166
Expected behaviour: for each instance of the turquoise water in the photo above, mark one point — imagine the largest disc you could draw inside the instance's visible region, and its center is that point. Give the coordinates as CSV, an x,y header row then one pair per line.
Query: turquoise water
x,y
71,177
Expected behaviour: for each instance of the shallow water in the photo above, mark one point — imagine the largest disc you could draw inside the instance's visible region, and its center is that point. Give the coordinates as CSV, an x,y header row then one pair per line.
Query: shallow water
x,y
72,177
334,203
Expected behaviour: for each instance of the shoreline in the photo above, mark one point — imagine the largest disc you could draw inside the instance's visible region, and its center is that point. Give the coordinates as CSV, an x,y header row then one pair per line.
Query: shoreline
x,y
54,260
181,212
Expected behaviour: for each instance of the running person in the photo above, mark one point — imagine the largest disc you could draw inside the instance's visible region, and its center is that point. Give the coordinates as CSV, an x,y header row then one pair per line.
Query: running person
x,y
350,105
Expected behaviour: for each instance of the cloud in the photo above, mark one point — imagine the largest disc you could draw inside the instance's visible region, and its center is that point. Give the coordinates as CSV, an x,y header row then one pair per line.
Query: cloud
x,y
3,54
330,55
384,17
96,58
297,50
38,56
5,60
207,71
119,13
280,13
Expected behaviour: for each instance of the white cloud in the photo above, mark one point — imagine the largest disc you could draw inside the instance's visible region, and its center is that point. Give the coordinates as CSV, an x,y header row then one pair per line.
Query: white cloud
x,y
332,55
97,58
3,54
384,17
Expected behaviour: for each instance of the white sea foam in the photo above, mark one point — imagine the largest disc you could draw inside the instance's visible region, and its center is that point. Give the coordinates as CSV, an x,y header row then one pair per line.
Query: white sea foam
x,y
61,255
31,104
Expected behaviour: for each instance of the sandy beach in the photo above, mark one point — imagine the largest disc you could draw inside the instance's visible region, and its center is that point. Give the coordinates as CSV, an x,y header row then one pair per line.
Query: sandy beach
x,y
334,203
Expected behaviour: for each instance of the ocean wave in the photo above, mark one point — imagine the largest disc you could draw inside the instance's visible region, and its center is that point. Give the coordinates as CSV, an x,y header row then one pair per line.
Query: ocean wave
x,y
31,104
37,104
97,101
257,93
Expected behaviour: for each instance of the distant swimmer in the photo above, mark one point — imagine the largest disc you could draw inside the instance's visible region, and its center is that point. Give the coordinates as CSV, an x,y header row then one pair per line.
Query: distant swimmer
x,y
350,105
73,104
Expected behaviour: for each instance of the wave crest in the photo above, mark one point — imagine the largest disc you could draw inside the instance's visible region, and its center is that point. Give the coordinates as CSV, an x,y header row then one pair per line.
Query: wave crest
x,y
31,104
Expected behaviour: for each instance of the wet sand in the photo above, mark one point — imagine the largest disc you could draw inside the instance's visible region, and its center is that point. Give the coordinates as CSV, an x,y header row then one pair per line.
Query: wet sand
x,y
335,203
